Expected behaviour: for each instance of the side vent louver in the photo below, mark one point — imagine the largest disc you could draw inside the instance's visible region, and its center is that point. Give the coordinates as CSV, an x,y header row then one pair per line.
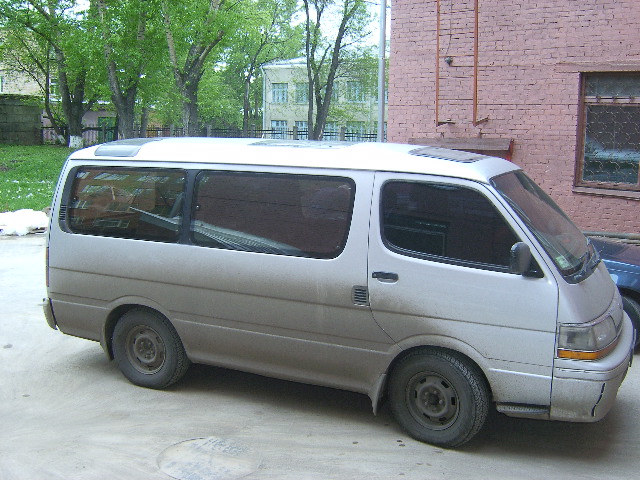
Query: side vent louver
x,y
63,213
360,296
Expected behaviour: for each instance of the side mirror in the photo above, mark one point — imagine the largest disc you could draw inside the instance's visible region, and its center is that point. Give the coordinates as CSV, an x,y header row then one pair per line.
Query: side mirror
x,y
520,260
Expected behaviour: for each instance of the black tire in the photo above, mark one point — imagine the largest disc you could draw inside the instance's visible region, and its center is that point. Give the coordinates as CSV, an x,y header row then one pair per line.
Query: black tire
x,y
147,349
633,310
438,397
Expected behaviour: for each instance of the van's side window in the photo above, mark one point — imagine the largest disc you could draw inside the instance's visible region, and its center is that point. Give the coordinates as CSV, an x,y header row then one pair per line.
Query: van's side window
x,y
141,203
451,222
300,215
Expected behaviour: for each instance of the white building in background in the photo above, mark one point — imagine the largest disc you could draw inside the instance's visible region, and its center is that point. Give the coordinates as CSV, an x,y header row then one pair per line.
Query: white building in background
x,y
354,111
19,83
13,83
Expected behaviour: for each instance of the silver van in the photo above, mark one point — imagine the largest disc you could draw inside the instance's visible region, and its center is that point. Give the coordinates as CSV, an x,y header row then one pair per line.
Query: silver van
x,y
441,281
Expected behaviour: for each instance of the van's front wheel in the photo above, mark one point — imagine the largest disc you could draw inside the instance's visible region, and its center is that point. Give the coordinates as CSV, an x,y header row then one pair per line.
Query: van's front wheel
x,y
148,350
438,397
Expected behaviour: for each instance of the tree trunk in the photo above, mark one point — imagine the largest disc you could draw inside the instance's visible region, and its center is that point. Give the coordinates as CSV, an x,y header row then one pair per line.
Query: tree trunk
x,y
72,105
310,53
190,123
314,68
188,77
124,101
126,113
144,121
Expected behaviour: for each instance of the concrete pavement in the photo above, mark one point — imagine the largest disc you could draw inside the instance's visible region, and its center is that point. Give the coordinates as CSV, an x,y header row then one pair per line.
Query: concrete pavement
x,y
67,413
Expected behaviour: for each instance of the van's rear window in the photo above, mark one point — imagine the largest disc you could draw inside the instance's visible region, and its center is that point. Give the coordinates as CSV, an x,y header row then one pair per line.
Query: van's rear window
x,y
143,204
299,215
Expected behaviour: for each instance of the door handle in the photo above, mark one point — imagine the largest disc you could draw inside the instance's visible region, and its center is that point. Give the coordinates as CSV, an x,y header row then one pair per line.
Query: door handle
x,y
389,276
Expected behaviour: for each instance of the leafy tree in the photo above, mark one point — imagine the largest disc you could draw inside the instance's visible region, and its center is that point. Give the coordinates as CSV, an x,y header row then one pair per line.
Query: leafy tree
x,y
220,98
326,54
51,32
267,35
193,29
31,56
129,41
358,69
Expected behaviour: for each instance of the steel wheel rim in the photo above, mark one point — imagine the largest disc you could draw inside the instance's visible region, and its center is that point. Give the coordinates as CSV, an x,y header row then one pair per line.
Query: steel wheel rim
x,y
146,350
432,400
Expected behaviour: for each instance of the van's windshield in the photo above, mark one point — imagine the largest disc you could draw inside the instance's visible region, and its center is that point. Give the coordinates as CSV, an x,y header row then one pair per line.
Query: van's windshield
x,y
569,249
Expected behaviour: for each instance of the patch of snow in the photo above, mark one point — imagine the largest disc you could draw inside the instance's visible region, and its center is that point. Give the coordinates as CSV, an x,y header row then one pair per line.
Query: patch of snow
x,y
22,222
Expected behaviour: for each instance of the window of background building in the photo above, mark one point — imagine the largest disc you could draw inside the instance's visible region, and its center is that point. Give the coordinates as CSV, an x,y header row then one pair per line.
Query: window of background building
x,y
610,132
355,92
355,130
302,92
279,128
335,92
280,92
384,129
331,131
303,129
386,95
54,88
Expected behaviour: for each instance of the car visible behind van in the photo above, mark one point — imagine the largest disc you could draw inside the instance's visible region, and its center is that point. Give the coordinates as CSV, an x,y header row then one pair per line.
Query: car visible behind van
x,y
442,282
623,263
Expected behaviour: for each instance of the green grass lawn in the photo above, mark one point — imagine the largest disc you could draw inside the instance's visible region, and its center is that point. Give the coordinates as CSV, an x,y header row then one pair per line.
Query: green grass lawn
x,y
28,175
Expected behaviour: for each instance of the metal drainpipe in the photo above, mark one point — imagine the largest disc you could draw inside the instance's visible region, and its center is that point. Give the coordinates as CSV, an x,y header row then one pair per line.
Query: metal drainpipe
x,y
264,99
382,47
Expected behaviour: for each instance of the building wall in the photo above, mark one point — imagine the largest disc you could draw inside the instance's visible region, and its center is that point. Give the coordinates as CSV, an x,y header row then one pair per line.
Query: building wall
x,y
530,57
291,74
19,120
17,83
295,72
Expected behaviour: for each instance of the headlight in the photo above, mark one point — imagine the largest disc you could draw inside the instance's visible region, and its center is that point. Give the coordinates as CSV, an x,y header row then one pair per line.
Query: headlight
x,y
588,341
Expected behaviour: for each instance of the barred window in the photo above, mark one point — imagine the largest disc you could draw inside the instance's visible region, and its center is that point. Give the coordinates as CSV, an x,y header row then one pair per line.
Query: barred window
x,y
610,143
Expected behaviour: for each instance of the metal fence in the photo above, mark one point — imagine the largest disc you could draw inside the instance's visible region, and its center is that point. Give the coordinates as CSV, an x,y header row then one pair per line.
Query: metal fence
x,y
95,135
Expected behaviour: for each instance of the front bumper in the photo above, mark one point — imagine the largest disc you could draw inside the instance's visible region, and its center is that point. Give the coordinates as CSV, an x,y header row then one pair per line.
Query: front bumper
x,y
585,391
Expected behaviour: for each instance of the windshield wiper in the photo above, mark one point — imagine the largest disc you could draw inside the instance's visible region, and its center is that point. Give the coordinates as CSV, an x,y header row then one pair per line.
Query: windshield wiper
x,y
588,262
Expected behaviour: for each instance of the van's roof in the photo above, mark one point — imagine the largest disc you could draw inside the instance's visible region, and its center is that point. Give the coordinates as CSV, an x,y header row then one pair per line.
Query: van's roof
x,y
388,157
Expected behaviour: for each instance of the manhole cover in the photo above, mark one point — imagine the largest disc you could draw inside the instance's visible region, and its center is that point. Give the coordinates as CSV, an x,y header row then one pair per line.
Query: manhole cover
x,y
208,458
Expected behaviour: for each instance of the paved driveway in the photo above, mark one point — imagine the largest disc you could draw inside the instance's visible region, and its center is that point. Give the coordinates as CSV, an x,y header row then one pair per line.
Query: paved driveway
x,y
67,413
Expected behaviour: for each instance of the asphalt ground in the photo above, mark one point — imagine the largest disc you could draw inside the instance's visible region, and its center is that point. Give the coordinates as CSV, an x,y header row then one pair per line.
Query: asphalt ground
x,y
66,412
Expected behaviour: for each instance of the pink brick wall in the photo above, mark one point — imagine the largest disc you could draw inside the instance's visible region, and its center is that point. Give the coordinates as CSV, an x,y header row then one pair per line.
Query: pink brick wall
x,y
530,57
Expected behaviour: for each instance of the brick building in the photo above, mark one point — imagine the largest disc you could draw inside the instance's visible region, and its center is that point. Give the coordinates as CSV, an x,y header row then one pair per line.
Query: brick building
x,y
553,86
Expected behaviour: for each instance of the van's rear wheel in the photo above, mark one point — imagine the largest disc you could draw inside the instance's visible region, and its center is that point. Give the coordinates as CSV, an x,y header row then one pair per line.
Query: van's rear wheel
x,y
438,397
148,350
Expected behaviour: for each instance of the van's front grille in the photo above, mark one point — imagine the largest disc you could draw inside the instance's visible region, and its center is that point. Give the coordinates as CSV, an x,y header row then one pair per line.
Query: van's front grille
x,y
360,296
